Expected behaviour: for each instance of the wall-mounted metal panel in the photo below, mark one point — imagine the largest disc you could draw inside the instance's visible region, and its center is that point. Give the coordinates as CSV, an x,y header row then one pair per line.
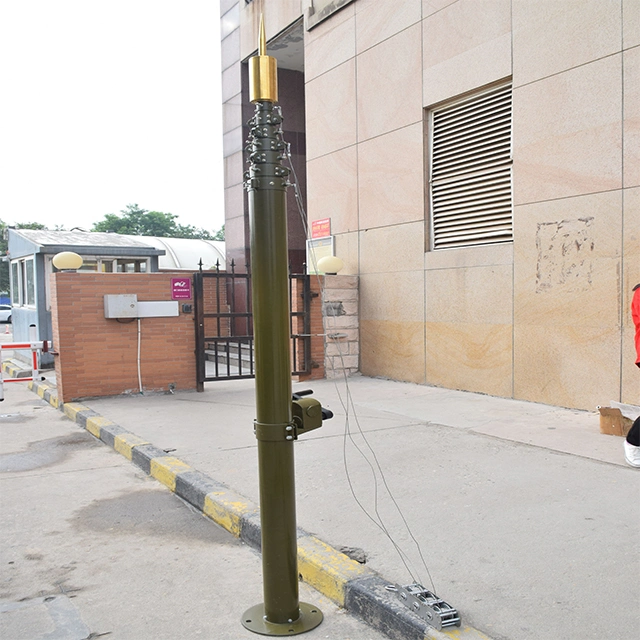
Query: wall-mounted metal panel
x,y
121,306
320,10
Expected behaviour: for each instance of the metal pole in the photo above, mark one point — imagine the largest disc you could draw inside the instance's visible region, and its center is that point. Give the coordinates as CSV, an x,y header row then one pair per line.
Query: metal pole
x,y
266,182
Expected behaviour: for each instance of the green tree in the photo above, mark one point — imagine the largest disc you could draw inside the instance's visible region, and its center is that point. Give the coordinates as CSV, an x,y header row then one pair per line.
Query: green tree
x,y
135,221
35,226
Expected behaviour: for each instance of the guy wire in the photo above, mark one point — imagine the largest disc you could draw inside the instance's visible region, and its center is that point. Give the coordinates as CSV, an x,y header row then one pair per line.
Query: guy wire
x,y
377,520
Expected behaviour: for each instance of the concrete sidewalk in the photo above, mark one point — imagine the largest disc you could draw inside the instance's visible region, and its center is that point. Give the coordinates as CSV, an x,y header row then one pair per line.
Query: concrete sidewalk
x,y
92,547
526,515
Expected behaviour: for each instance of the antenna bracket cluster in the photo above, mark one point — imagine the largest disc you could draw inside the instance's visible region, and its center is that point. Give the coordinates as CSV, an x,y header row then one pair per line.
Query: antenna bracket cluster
x,y
427,605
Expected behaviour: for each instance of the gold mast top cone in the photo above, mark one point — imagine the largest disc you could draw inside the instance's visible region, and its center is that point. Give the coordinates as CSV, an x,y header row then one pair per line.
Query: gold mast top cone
x,y
263,72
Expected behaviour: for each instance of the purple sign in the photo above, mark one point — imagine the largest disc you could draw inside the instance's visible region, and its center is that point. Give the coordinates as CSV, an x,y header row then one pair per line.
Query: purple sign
x,y
180,288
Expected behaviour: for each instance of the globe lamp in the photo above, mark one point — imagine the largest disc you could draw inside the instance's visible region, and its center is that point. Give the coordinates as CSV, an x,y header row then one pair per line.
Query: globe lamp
x,y
67,261
330,265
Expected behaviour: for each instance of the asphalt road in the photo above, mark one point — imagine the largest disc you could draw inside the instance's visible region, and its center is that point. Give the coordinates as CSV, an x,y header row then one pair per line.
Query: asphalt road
x,y
92,547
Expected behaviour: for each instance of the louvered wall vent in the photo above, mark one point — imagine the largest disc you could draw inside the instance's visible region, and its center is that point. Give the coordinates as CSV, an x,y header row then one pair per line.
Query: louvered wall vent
x,y
470,181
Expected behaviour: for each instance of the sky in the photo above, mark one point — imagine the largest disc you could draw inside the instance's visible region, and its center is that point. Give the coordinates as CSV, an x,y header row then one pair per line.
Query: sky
x,y
110,103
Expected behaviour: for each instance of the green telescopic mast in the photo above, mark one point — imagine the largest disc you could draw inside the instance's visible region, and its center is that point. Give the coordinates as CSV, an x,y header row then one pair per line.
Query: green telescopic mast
x,y
281,614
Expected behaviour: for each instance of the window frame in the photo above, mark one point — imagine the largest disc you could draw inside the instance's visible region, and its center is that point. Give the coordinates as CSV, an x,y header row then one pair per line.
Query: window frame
x,y
480,176
29,283
15,284
23,282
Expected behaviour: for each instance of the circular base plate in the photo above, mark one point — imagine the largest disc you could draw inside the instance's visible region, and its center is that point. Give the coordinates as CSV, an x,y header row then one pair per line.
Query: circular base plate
x,y
254,620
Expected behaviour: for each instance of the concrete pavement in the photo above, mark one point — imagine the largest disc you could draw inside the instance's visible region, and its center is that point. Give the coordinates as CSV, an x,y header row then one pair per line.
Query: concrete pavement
x,y
90,546
527,517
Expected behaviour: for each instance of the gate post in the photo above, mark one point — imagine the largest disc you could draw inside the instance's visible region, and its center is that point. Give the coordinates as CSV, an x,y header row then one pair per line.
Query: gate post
x,y
198,295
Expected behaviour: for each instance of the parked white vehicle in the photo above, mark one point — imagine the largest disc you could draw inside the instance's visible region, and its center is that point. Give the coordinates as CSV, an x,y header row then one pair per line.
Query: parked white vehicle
x,y
5,313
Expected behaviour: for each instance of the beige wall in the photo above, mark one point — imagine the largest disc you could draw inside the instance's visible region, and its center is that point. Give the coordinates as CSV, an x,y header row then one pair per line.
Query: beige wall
x,y
544,318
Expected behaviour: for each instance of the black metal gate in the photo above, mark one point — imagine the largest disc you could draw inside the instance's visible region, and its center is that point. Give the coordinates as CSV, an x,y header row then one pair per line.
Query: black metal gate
x,y
224,325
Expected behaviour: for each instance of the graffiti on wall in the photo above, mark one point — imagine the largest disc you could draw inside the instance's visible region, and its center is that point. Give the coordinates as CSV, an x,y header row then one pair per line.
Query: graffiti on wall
x,y
565,255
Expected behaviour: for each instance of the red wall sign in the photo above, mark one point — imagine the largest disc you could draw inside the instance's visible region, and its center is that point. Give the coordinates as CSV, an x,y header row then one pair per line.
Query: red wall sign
x,y
321,228
181,288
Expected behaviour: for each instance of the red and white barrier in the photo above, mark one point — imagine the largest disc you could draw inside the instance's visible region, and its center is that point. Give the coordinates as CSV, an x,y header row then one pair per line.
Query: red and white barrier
x,y
36,347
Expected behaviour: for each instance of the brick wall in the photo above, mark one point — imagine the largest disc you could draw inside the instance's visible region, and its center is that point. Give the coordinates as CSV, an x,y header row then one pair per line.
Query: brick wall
x,y
98,357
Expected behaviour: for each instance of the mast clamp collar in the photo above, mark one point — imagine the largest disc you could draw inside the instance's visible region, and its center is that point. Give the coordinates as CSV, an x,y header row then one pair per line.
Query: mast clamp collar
x,y
275,432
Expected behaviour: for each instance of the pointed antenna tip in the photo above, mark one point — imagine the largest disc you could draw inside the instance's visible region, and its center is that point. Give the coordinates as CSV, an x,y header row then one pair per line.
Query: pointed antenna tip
x,y
262,38
263,77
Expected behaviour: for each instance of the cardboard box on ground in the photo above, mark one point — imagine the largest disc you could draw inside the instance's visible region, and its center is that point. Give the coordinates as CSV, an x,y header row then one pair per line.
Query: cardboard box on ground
x,y
617,419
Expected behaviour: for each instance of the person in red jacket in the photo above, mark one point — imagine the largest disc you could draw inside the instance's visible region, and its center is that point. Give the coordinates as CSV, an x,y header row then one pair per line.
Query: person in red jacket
x,y
632,441
635,315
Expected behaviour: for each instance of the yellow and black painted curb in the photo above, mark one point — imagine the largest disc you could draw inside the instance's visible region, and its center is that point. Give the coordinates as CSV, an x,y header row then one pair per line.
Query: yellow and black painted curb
x,y
16,369
348,583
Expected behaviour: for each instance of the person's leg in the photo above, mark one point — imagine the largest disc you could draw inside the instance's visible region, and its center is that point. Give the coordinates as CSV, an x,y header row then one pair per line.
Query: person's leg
x,y
633,437
632,445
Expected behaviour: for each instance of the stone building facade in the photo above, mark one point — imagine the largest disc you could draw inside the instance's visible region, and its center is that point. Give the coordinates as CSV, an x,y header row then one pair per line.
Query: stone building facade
x,y
480,164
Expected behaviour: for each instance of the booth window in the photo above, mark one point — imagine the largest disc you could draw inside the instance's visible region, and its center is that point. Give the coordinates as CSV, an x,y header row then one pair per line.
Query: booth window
x,y
132,266
15,284
470,170
29,283
110,265
23,286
